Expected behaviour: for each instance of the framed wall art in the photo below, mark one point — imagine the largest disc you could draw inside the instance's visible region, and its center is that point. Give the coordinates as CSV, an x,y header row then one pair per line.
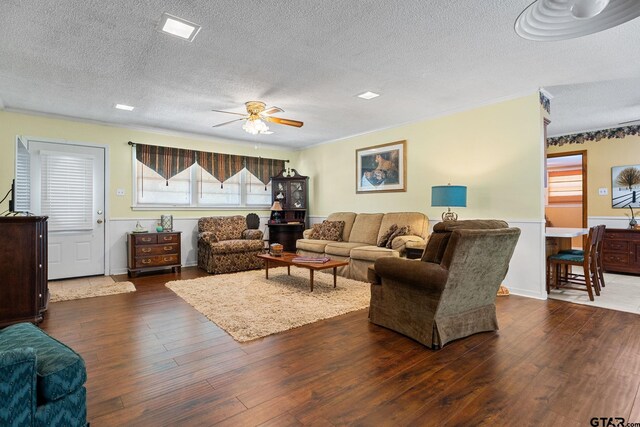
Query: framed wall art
x,y
625,186
382,168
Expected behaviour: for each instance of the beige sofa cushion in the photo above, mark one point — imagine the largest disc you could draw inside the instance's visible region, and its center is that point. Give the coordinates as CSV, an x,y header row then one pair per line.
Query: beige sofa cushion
x,y
312,245
341,248
417,220
372,253
348,218
366,228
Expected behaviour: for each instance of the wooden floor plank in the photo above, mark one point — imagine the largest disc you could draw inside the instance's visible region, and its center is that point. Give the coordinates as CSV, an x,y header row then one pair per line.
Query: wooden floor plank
x,y
152,359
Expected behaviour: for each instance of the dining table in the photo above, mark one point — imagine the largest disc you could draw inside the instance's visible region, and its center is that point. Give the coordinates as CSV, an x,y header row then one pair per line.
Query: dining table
x,y
560,237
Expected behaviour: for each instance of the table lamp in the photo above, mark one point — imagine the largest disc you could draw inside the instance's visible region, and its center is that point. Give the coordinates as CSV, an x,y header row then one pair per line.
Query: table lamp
x,y
276,208
449,195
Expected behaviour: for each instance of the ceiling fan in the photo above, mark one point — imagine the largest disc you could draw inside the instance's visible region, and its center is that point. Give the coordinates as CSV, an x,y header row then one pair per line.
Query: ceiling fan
x,y
257,115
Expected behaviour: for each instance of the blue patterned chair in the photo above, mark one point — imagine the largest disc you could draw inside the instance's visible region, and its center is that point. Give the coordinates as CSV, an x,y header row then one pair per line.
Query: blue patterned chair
x,y
41,380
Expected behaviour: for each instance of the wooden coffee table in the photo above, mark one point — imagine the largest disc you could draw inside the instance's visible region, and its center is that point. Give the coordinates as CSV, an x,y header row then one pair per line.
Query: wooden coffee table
x,y
287,259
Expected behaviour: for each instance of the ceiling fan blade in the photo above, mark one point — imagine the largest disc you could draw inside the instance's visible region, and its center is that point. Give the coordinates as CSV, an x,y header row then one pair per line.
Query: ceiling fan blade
x,y
630,121
272,110
226,123
287,122
229,112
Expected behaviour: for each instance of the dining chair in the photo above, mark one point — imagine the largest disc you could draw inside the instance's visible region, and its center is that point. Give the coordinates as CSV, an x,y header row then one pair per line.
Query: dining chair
x,y
559,263
598,259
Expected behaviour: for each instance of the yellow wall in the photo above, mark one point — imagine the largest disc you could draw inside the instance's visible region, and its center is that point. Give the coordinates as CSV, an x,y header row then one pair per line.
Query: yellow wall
x,y
496,151
601,157
566,216
12,124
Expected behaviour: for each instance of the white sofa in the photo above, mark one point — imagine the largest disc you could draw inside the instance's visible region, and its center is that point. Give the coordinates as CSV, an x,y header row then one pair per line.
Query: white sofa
x,y
360,237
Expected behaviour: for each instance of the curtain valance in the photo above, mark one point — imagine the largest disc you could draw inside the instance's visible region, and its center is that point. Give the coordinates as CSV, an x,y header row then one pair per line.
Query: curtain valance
x,y
168,162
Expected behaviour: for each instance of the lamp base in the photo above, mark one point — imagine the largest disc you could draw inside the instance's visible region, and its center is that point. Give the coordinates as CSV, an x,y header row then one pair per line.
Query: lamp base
x,y
449,216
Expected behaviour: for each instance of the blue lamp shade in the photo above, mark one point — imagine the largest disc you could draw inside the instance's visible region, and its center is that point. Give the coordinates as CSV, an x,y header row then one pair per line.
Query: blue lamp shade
x,y
449,195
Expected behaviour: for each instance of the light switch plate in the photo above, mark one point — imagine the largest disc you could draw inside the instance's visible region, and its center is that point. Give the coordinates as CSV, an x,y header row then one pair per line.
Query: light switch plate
x,y
603,191
120,192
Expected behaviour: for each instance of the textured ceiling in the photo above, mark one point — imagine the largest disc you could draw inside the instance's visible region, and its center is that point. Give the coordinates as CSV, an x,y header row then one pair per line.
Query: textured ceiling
x,y
426,58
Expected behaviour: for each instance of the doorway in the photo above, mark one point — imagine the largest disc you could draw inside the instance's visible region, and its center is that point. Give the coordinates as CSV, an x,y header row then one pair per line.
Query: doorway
x,y
67,182
566,196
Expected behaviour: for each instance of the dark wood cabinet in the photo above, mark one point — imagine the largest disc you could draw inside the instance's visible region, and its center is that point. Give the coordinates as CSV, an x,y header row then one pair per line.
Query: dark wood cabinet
x,y
292,191
621,250
152,251
24,294
286,234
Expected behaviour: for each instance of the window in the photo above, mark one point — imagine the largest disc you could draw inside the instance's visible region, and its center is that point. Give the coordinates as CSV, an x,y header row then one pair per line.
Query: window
x,y
565,186
23,178
67,191
180,177
196,188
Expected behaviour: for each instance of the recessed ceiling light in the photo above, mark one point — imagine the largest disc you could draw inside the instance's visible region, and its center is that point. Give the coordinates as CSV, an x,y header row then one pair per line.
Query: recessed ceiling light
x,y
124,107
368,95
178,27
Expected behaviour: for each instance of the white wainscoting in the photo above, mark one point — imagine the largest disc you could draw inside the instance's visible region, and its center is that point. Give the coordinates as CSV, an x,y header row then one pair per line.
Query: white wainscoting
x,y
609,221
119,227
526,276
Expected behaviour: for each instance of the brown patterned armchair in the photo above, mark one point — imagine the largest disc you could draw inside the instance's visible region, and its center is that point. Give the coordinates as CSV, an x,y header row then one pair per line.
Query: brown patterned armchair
x,y
225,245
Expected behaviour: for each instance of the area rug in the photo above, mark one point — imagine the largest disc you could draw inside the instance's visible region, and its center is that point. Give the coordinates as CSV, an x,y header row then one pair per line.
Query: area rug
x,y
87,287
248,306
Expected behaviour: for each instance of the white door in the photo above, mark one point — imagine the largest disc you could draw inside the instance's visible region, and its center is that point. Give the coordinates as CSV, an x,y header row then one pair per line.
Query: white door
x,y
68,182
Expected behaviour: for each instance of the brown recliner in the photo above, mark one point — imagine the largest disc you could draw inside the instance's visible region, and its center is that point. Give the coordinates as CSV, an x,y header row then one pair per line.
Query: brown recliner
x,y
451,292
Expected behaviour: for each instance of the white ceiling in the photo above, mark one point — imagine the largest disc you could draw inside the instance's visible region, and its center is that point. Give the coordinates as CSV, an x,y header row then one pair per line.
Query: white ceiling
x,y
426,58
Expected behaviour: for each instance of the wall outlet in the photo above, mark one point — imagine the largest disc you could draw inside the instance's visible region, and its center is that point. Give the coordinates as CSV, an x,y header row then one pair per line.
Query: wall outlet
x,y
120,192
603,191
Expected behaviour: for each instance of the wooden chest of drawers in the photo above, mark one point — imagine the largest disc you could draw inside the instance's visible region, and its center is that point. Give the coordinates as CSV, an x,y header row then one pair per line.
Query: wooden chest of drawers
x,y
621,250
150,251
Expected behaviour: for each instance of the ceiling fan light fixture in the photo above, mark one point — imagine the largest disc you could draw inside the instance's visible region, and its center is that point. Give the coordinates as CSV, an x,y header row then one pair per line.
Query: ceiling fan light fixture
x,y
255,126
554,20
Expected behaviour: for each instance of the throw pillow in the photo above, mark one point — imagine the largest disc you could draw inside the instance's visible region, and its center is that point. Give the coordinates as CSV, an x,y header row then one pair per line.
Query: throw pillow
x,y
328,230
402,231
382,241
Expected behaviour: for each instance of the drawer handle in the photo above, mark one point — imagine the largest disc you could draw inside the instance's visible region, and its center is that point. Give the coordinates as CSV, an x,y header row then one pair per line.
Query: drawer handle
x,y
168,248
146,239
146,261
167,238
146,250
167,258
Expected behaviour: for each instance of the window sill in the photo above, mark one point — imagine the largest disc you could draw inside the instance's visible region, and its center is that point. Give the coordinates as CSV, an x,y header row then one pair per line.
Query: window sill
x,y
200,208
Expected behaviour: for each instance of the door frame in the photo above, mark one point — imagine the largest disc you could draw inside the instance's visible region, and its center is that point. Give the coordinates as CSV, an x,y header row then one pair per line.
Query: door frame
x,y
107,181
585,195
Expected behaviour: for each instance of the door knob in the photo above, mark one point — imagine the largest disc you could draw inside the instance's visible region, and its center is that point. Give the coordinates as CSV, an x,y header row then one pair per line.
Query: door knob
x,y
99,221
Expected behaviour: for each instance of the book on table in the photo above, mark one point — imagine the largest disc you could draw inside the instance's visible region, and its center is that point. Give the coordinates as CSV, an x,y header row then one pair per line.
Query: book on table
x,y
311,260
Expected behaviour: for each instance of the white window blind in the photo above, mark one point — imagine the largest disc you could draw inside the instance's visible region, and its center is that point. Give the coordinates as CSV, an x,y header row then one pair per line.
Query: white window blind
x,y
23,178
67,191
152,189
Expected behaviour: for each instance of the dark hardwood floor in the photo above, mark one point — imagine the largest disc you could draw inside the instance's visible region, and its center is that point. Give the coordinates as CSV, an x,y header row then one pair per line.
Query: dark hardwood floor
x,y
154,360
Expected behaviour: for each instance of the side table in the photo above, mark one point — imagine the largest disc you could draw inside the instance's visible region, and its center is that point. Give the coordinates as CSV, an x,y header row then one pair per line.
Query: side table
x,y
415,250
148,251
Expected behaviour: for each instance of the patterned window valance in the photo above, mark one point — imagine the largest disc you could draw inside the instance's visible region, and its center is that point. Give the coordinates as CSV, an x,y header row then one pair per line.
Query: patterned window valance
x,y
168,162
220,166
581,138
264,169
